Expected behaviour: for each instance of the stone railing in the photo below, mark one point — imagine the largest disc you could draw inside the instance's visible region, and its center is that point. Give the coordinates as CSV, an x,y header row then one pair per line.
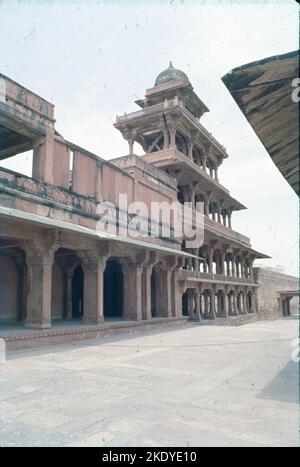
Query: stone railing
x,y
186,274
147,111
225,278
12,182
221,229
169,105
168,154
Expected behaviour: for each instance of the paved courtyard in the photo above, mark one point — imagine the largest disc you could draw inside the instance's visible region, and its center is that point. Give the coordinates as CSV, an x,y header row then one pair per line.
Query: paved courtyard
x,y
185,386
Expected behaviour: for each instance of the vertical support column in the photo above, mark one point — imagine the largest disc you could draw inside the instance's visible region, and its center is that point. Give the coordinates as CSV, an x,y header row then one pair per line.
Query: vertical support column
x,y
210,260
206,204
39,261
222,262
190,148
254,301
213,208
172,131
226,307
234,303
197,306
251,261
129,135
166,138
190,303
201,310
216,173
176,292
245,308
167,296
93,267
212,304
132,304
229,218
206,308
237,266
227,267
219,212
233,266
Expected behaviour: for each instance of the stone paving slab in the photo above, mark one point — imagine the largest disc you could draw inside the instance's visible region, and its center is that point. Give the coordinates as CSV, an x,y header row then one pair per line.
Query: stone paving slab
x,y
187,386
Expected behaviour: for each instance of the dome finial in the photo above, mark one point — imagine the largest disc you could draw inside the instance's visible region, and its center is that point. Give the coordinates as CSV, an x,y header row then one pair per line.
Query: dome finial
x,y
171,74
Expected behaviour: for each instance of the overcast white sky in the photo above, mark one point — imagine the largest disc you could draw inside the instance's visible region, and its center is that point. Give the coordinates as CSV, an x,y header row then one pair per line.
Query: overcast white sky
x,y
93,59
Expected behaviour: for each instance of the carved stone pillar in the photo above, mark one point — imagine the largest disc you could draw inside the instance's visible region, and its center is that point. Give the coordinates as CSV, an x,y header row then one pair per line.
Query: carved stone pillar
x,y
229,218
245,308
190,148
197,306
39,259
206,205
227,267
210,260
172,131
226,307
216,173
93,266
146,292
212,304
219,212
132,303
222,262
234,303
251,268
206,307
233,266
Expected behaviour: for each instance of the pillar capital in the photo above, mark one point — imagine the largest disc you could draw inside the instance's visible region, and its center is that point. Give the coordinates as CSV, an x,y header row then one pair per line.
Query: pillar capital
x,y
44,247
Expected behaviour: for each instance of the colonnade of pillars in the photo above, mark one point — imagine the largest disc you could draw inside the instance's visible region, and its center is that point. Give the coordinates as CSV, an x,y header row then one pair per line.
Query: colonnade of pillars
x,y
211,303
217,261
169,137
137,292
213,209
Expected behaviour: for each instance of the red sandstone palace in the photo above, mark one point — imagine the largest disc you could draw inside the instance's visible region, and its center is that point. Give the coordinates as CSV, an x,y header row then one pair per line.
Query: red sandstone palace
x,y
54,264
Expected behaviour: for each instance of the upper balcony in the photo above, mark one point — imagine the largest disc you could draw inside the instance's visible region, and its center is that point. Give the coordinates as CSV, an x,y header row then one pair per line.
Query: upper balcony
x,y
215,230
210,278
187,172
173,104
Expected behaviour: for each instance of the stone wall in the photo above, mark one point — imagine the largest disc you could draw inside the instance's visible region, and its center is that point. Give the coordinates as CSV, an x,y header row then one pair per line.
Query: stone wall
x,y
271,282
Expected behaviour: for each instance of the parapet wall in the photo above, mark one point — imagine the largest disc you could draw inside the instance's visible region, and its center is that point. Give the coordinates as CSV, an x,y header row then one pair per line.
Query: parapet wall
x,y
270,283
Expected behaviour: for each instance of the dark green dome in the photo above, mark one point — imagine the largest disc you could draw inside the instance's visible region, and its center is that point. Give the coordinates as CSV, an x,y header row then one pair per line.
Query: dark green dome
x,y
170,74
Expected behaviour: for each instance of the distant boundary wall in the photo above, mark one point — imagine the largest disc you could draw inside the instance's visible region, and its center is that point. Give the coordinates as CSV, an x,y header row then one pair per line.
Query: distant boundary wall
x,y
271,282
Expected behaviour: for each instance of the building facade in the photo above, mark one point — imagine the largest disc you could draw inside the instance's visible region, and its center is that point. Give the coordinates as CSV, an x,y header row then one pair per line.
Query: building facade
x,y
57,265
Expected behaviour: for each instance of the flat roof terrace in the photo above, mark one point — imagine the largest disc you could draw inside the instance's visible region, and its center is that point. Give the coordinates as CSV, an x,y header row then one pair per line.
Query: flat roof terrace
x,y
24,117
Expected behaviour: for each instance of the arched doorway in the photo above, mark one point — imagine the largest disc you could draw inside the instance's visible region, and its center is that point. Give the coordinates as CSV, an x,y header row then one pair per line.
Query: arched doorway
x,y
113,290
77,292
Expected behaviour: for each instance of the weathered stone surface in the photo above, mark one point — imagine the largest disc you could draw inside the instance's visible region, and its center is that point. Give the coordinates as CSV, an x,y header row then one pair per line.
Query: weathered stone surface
x,y
191,386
